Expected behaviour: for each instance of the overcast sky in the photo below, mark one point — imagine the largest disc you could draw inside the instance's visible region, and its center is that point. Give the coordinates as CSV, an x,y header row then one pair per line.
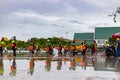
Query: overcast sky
x,y
54,18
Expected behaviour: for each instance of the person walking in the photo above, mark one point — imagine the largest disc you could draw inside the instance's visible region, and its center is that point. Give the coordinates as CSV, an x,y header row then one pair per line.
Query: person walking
x,y
94,48
84,48
13,45
31,49
72,50
49,50
37,48
2,44
65,50
59,48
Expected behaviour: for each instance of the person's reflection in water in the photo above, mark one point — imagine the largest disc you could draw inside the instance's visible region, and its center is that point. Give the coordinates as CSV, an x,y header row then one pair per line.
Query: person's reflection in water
x,y
72,65
110,62
31,67
84,63
59,64
117,66
13,68
1,67
48,65
94,61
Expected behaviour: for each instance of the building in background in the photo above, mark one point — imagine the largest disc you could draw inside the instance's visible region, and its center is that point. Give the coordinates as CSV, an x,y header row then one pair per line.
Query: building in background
x,y
101,35
83,37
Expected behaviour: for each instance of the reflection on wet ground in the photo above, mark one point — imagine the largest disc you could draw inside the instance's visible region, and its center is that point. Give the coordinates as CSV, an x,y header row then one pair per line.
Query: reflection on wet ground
x,y
90,68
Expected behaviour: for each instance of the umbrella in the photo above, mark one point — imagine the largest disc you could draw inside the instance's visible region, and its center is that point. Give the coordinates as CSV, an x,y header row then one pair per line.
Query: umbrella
x,y
116,35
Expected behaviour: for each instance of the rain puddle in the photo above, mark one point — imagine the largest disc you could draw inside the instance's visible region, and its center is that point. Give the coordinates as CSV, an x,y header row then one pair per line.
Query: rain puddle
x,y
72,69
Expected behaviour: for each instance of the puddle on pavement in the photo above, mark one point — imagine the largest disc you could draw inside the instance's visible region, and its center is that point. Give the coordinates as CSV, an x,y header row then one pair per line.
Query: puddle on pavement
x,y
35,69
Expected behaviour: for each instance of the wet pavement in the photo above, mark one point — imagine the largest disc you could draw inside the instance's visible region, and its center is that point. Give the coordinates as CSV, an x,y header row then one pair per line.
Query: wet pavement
x,y
62,69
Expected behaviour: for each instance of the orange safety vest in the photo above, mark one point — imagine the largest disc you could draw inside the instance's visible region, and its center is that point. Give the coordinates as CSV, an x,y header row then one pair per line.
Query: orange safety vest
x,y
59,48
95,48
83,47
31,47
65,47
72,48
13,45
47,49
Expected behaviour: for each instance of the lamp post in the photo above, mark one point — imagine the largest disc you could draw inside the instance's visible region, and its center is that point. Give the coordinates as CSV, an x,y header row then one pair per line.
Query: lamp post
x,y
66,34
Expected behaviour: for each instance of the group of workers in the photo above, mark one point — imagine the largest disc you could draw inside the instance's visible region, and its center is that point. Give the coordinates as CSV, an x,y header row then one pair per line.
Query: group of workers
x,y
61,49
13,46
72,49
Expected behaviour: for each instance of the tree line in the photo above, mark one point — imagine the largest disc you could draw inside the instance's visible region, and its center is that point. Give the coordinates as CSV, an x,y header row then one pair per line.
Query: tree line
x,y
42,42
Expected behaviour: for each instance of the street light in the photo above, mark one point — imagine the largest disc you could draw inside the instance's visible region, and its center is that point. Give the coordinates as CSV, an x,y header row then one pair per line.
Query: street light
x,y
66,34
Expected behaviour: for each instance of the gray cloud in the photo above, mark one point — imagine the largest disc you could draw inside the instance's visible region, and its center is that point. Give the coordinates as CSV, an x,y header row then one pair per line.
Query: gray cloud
x,y
55,25
47,18
20,27
76,21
